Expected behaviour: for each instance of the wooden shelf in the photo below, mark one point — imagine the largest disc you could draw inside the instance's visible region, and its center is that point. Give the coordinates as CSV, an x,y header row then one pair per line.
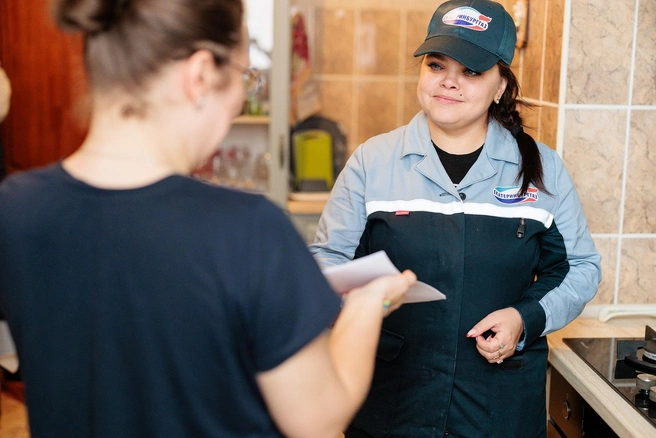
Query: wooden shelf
x,y
252,120
305,207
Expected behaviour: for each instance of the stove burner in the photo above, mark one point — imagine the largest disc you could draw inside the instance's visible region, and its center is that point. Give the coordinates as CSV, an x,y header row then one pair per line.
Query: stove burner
x,y
648,355
644,356
640,362
619,361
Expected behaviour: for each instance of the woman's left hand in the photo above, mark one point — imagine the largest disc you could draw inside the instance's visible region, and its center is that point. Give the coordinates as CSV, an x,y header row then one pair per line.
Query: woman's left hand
x,y
507,326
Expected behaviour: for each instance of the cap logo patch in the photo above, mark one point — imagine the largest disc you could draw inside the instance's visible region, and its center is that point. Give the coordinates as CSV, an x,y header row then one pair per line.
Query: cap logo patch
x,y
468,18
509,195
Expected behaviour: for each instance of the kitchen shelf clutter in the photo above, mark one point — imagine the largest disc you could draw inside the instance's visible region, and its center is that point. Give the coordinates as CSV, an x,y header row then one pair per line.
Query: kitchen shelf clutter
x,y
254,156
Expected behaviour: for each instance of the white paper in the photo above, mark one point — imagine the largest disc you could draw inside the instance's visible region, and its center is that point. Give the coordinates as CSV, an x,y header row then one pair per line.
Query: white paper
x,y
361,271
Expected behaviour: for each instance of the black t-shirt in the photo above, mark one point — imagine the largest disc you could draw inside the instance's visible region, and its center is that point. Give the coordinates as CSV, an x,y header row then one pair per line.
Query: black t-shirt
x,y
457,166
147,312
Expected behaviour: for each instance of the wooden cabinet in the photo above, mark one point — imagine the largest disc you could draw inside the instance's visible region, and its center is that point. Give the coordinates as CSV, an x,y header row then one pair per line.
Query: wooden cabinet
x,y
569,414
46,121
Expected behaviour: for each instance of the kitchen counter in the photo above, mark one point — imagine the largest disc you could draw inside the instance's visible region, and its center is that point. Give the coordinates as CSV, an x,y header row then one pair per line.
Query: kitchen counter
x,y
601,397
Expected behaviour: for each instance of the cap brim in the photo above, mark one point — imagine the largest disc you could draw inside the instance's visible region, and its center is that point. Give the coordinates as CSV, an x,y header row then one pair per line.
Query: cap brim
x,y
470,55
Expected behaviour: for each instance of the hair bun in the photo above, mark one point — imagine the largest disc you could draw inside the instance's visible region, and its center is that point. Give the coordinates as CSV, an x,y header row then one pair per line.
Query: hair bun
x,y
89,16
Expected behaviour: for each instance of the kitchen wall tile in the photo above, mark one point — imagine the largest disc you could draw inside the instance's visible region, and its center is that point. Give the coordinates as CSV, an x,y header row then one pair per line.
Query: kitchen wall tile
x,y
427,5
381,4
531,119
553,51
532,54
640,204
594,146
331,4
412,69
516,66
551,76
334,41
377,104
337,104
638,271
507,4
378,4
306,3
410,103
607,248
549,126
378,42
644,85
600,52
416,25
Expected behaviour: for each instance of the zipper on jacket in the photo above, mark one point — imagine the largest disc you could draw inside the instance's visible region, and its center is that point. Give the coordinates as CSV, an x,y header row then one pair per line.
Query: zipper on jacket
x,y
521,229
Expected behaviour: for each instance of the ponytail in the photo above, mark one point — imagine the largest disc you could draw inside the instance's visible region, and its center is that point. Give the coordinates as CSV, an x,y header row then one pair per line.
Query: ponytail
x,y
506,113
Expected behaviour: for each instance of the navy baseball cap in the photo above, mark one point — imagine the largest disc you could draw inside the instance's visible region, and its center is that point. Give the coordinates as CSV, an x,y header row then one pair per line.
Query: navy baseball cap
x,y
476,33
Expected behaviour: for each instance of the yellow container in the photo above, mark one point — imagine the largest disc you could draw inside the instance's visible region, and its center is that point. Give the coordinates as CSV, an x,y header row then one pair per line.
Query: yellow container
x,y
313,160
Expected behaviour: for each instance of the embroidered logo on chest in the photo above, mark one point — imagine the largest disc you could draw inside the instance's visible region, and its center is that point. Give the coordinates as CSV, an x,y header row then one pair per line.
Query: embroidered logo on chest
x,y
509,195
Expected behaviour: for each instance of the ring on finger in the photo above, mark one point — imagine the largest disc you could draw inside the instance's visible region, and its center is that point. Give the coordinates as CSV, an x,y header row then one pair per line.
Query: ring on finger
x,y
501,346
386,306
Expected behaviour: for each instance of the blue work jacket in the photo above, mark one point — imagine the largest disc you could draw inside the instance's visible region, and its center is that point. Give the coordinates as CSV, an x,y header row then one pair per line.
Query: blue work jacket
x,y
486,248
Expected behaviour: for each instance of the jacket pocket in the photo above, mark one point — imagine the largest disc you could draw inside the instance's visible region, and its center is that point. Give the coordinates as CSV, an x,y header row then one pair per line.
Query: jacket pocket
x,y
377,412
512,363
389,345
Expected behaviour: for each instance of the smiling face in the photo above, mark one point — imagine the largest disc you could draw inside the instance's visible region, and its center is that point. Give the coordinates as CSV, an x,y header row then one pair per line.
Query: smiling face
x,y
454,98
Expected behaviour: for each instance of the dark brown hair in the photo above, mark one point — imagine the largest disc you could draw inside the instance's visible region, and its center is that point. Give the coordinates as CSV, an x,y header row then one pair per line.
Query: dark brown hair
x,y
127,41
506,113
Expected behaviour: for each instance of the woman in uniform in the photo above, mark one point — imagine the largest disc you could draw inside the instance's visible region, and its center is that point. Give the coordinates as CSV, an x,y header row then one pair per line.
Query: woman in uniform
x,y
476,208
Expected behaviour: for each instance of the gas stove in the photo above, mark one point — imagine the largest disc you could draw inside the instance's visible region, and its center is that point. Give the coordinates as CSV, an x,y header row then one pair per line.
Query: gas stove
x,y
619,362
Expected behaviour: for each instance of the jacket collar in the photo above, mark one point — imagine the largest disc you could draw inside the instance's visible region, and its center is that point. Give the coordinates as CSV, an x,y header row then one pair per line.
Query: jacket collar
x,y
499,146
499,142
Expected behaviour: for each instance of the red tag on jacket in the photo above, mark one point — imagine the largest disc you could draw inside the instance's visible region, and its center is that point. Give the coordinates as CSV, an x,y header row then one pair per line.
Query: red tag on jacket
x,y
401,213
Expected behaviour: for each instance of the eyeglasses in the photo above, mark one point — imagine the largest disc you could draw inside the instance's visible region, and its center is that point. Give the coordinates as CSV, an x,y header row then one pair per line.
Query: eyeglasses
x,y
251,77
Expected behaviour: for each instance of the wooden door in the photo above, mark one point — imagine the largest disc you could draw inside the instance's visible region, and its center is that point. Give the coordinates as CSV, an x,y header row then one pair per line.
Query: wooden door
x,y
46,121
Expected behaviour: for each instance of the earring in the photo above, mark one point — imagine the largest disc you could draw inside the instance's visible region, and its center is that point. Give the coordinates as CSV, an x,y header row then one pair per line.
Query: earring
x,y
200,102
497,100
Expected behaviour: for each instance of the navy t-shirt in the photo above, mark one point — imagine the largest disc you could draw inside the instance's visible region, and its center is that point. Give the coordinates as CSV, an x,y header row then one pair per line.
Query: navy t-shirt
x,y
148,312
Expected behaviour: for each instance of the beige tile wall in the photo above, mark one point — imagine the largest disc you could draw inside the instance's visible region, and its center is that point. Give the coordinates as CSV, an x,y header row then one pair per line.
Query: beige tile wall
x,y
600,115
362,59
609,138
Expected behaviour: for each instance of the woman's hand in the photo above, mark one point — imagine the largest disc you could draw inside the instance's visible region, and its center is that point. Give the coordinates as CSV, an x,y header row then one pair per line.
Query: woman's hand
x,y
390,290
507,326
317,391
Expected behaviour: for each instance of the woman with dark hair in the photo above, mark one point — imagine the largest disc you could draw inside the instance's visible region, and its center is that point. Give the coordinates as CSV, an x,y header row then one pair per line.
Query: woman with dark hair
x,y
145,303
476,208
